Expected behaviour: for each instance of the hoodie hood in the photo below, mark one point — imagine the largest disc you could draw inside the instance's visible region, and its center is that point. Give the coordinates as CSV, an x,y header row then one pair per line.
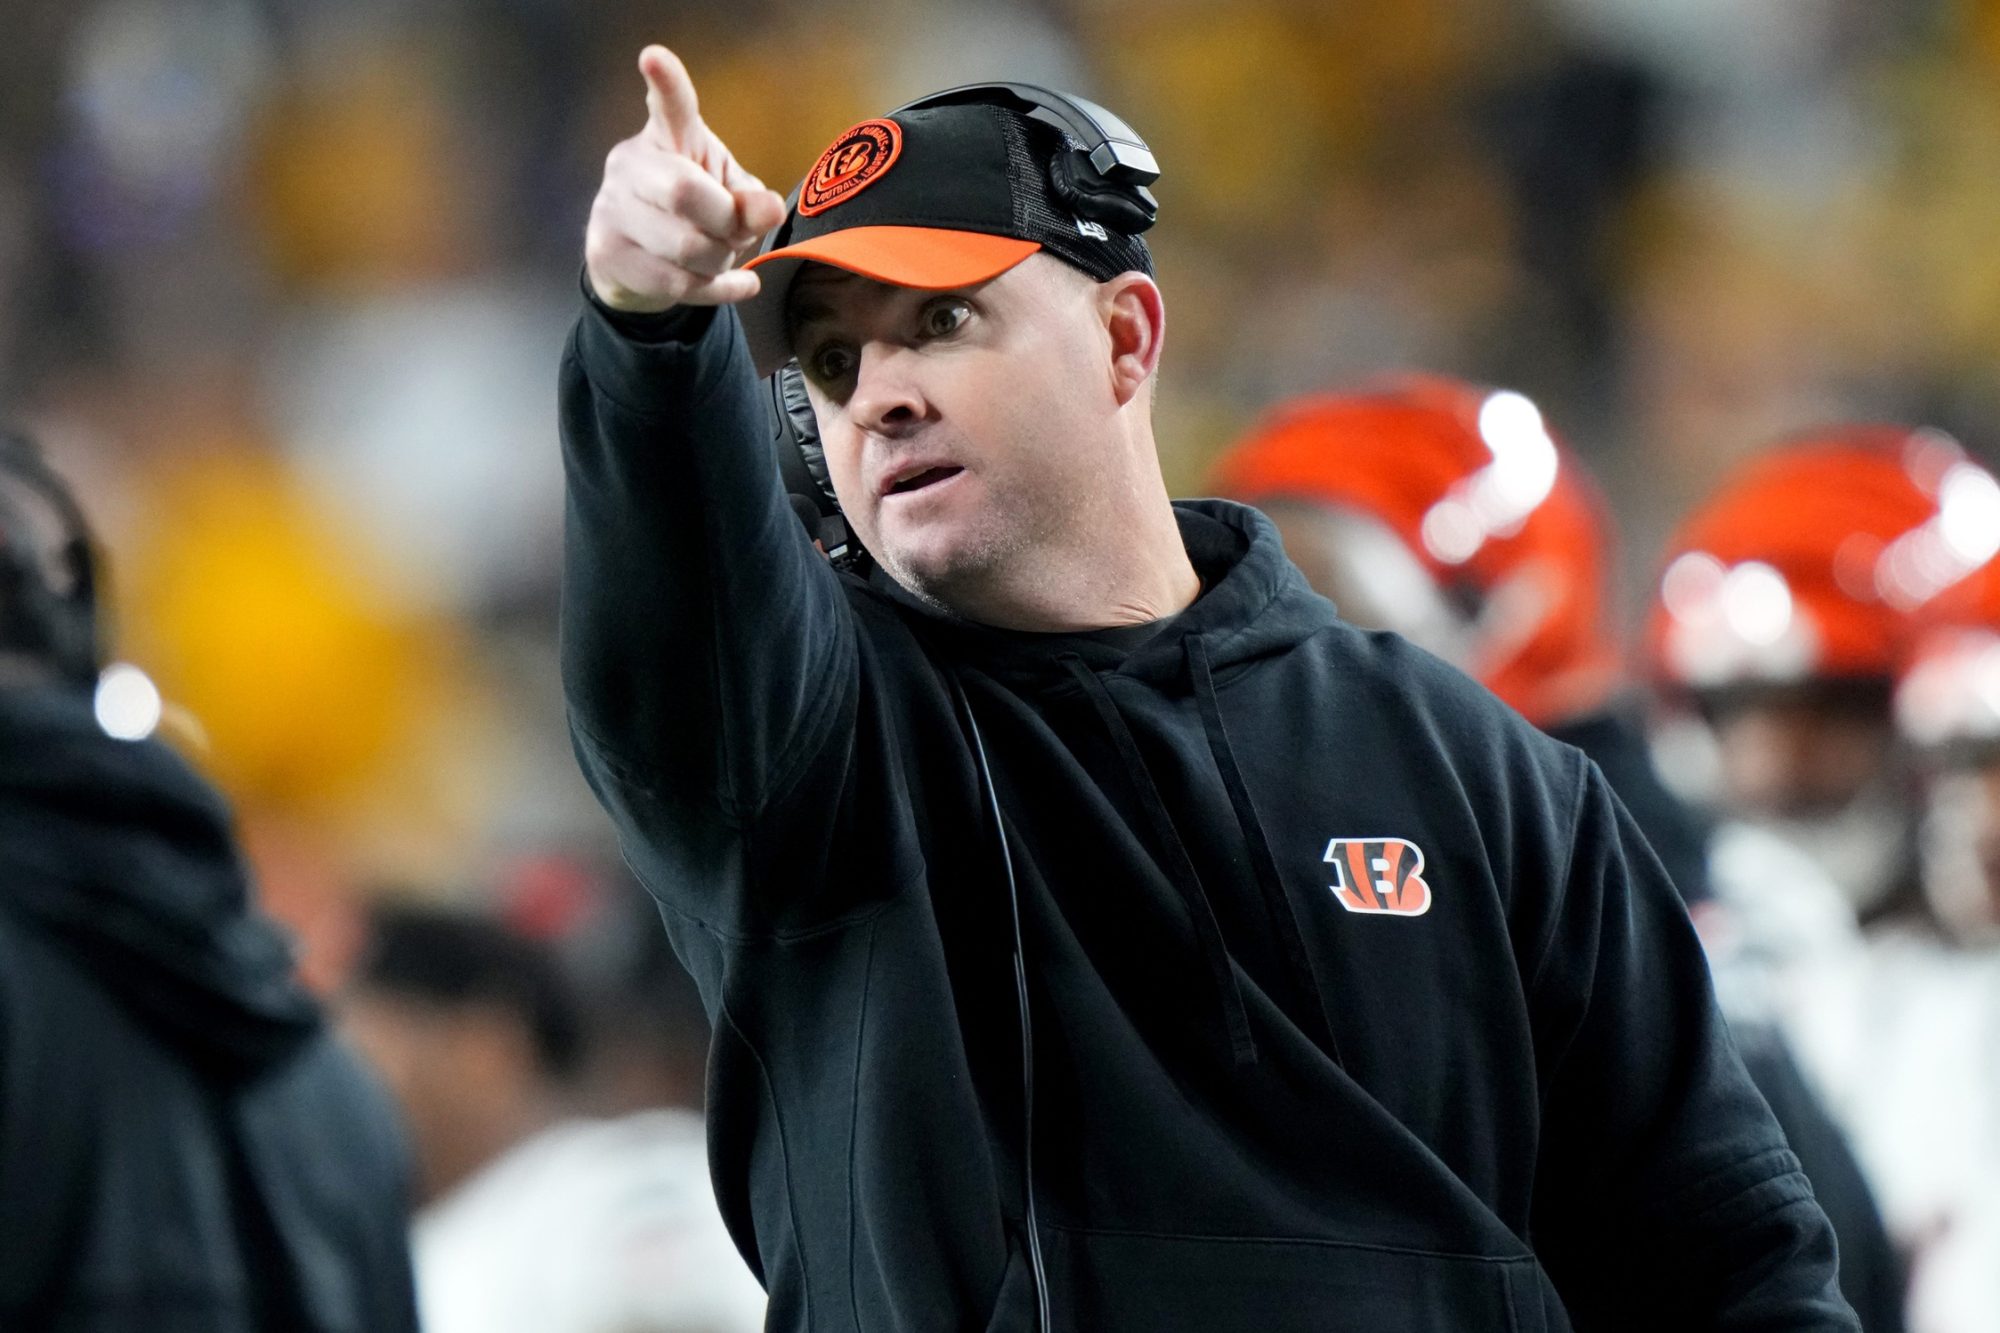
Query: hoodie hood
x,y
120,850
1254,603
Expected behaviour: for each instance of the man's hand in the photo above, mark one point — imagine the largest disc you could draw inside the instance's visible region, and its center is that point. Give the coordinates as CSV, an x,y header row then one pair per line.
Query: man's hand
x,y
675,210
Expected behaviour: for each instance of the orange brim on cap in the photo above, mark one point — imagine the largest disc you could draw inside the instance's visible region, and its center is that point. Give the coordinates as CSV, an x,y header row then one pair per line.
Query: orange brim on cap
x,y
928,258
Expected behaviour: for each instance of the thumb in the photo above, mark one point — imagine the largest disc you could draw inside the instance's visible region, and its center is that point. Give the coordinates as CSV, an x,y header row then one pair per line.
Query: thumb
x,y
671,109
758,209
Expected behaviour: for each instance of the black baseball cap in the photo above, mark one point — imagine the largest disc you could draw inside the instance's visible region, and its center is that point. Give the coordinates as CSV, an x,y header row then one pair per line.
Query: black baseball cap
x,y
934,198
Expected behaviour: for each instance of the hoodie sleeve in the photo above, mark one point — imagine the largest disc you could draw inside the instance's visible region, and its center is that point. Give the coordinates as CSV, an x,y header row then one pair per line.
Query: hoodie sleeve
x,y
1665,1197
707,649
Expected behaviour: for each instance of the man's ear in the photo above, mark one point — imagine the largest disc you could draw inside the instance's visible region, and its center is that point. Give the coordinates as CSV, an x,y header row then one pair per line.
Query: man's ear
x,y
1135,318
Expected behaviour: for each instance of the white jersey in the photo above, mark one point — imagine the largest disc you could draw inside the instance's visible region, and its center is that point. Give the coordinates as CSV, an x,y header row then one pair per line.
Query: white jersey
x,y
1923,1110
1899,1033
592,1226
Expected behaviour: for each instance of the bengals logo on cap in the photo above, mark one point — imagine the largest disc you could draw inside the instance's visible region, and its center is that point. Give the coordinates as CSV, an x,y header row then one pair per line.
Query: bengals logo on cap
x,y
1380,876
855,161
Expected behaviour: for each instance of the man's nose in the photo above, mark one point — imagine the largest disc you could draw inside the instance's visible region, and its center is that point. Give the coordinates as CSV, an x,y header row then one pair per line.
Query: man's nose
x,y
887,399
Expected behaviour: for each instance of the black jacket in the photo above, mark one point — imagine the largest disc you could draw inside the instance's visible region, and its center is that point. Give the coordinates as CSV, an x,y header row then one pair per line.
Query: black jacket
x,y
1251,1107
183,1146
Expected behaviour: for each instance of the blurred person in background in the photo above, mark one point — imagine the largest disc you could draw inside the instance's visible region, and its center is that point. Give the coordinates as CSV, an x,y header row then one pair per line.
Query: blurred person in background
x,y
1786,605
1789,604
1930,1024
1451,514
1948,708
534,1218
184,1147
645,1032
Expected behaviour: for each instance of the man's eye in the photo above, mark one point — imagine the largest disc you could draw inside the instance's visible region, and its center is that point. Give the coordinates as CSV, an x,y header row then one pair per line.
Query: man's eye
x,y
943,317
830,364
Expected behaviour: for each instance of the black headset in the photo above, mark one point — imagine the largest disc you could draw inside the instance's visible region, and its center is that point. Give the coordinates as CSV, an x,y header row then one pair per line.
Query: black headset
x,y
55,625
1103,180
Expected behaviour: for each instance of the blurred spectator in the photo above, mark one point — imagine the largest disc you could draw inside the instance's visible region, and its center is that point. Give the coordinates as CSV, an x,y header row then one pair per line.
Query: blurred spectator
x,y
183,1146
646,1033
534,1219
1450,514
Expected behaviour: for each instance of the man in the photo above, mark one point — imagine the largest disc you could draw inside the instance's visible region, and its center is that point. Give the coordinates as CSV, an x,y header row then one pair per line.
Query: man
x,y
534,1218
1098,934
183,1146
1931,1020
1790,603
1451,514
1948,708
1786,606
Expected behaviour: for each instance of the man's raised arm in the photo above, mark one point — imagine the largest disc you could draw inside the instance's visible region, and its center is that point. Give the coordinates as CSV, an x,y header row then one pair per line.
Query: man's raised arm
x,y
700,629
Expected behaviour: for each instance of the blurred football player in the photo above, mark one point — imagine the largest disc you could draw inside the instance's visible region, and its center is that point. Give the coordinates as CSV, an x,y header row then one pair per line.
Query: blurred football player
x,y
1787,603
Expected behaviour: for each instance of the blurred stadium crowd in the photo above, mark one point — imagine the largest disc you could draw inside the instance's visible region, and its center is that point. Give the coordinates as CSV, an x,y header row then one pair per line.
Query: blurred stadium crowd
x,y
283,285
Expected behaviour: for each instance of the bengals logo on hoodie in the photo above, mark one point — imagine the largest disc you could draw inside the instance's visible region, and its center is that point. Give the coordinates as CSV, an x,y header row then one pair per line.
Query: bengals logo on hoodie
x,y
1382,876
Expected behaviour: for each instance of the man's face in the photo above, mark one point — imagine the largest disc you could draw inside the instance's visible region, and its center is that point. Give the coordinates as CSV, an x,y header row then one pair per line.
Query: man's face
x,y
1797,758
1818,766
959,425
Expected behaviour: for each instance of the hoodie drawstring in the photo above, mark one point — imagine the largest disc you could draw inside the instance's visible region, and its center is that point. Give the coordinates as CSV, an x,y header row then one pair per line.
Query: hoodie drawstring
x,y
1236,1018
1284,921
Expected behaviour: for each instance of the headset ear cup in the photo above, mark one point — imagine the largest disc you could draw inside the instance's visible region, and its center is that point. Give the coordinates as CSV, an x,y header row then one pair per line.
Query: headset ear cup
x,y
805,429
795,439
1086,193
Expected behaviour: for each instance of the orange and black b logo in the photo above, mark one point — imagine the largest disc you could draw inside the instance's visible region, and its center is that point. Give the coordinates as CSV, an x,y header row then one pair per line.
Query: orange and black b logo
x,y
1381,876
855,160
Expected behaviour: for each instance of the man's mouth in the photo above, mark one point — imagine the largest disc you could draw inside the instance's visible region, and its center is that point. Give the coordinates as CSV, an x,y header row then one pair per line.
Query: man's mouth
x,y
917,481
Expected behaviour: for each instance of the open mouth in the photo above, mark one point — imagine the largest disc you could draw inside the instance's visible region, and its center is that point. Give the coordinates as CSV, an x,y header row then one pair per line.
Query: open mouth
x,y
928,477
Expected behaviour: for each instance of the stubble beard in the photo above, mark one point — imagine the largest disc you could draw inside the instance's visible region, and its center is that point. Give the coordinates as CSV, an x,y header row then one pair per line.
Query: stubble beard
x,y
1001,562
966,576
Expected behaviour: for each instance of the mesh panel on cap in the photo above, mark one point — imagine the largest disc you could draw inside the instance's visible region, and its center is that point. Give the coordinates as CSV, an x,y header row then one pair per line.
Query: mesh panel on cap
x,y
1039,216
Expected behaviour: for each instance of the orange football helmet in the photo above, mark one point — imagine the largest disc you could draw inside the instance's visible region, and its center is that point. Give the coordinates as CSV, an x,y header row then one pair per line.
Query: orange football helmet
x,y
1814,561
1478,489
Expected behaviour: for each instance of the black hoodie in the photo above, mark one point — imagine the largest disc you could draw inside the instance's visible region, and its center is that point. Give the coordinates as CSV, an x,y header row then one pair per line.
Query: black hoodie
x,y
1249,1098
183,1146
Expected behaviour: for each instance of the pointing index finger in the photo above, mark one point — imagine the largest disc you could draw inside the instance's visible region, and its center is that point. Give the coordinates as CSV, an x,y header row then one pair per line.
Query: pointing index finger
x,y
671,108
